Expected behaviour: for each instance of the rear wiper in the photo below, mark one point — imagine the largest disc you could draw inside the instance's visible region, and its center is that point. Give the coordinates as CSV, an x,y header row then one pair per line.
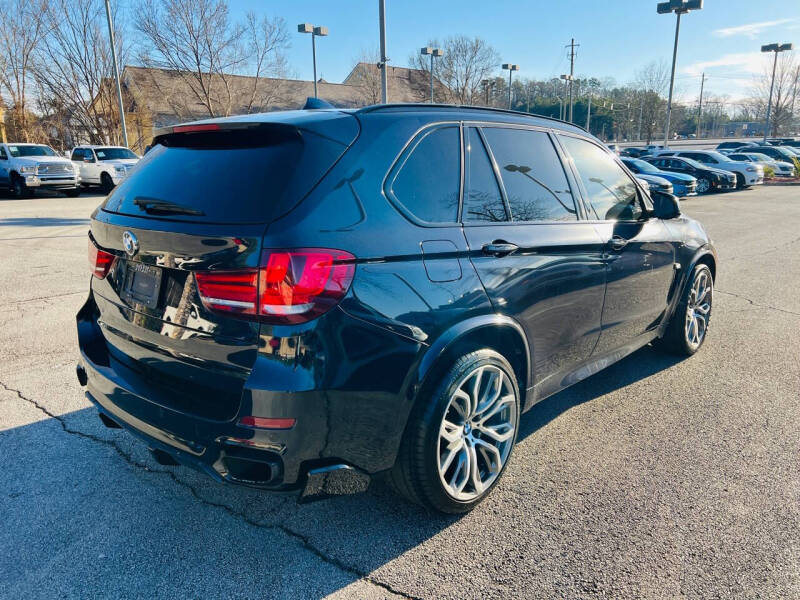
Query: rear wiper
x,y
153,206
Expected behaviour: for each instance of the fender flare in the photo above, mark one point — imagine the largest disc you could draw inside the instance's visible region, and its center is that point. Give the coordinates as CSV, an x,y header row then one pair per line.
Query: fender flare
x,y
704,250
462,328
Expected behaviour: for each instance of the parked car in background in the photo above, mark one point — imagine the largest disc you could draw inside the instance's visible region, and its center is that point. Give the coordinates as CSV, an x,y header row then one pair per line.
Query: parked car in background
x,y
780,167
635,152
545,263
746,174
104,166
614,148
776,152
734,145
682,185
708,179
25,168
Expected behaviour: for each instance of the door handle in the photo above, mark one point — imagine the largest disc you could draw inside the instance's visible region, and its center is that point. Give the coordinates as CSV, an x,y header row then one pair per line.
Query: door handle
x,y
618,242
499,248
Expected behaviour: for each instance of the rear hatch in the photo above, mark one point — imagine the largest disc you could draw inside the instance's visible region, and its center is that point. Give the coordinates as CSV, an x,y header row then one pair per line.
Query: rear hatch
x,y
200,201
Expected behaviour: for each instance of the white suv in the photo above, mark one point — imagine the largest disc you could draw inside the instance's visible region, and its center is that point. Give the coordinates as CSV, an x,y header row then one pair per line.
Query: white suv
x,y
747,173
105,166
28,167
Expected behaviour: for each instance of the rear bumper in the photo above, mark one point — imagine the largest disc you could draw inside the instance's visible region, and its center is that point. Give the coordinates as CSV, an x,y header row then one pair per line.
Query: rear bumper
x,y
334,426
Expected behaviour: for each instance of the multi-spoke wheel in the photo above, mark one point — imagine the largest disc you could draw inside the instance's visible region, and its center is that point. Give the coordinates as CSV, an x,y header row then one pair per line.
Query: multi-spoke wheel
x,y
458,441
688,328
703,185
477,432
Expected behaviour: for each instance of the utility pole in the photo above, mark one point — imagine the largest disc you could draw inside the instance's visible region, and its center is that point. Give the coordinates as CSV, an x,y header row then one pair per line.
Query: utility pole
x,y
382,65
700,105
641,110
116,74
571,47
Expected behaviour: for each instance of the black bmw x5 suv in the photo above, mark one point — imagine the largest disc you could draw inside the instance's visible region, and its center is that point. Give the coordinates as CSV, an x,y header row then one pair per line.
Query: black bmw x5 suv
x,y
383,290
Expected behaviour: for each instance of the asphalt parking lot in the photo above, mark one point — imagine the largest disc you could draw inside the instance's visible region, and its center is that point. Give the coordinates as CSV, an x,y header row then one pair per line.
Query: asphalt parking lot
x,y
656,478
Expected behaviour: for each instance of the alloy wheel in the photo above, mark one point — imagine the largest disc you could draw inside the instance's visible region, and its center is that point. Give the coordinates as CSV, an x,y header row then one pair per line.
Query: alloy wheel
x,y
698,309
702,185
477,432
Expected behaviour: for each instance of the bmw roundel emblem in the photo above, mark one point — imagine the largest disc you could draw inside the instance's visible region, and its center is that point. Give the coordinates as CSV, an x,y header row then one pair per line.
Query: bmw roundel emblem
x,y
130,243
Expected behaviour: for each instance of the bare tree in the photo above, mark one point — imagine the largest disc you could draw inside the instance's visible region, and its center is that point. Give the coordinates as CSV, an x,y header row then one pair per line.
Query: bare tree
x,y
269,40
784,93
465,63
21,27
73,68
651,83
367,76
198,42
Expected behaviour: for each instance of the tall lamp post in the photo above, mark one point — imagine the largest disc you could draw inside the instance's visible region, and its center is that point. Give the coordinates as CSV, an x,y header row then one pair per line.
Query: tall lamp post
x,y
487,85
773,48
434,53
510,68
116,74
679,7
314,31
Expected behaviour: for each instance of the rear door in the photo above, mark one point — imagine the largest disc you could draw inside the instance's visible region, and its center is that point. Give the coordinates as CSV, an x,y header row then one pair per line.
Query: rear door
x,y
638,252
197,202
537,259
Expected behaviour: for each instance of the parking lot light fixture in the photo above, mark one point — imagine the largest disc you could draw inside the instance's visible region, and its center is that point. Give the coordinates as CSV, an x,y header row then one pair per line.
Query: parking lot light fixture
x,y
776,48
433,53
510,68
679,7
314,31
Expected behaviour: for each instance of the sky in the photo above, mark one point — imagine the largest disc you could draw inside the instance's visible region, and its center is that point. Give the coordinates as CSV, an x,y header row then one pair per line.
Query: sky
x,y
616,37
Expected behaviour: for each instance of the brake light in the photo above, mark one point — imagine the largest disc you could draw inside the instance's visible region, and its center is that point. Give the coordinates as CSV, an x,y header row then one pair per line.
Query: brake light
x,y
195,128
100,261
290,286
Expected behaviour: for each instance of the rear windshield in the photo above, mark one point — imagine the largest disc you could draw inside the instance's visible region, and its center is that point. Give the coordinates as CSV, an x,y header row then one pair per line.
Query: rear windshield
x,y
240,176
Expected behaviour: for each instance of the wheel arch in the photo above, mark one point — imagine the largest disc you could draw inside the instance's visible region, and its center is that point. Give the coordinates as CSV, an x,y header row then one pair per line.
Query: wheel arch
x,y
496,332
705,257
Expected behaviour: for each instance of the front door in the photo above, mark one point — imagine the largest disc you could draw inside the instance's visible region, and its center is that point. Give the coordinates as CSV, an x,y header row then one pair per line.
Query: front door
x,y
539,262
639,256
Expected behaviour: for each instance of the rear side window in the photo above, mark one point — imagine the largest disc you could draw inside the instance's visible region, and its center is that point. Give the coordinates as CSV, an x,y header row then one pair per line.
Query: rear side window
x,y
428,180
611,192
532,173
482,199
247,175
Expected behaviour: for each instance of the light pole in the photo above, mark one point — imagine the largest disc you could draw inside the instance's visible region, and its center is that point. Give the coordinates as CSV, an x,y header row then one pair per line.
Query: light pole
x,y
314,31
487,85
567,81
384,58
700,106
679,7
773,48
433,52
510,68
116,74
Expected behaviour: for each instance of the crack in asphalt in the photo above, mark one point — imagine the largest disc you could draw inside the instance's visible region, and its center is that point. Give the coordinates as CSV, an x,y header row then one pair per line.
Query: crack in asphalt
x,y
303,540
763,252
752,302
45,298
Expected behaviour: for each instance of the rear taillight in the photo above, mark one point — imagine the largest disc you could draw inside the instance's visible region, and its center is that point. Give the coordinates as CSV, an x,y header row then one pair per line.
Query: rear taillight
x,y
100,261
290,286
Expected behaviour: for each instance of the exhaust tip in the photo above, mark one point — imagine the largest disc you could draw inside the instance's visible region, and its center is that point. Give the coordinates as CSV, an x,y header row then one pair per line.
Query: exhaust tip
x,y
81,373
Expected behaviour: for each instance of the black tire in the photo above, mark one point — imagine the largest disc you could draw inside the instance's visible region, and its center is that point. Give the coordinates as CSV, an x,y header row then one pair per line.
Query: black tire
x,y
675,339
416,471
106,183
740,181
73,193
19,189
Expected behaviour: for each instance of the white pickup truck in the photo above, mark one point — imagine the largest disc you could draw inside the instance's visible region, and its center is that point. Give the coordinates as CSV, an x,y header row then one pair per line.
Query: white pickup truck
x,y
105,166
25,168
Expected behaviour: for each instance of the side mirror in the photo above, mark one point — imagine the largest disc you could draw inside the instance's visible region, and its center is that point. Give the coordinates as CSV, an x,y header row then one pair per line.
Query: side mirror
x,y
665,206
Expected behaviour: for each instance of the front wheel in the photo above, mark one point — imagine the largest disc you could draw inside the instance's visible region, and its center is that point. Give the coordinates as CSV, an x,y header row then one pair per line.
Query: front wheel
x,y
703,185
19,189
688,327
458,441
106,183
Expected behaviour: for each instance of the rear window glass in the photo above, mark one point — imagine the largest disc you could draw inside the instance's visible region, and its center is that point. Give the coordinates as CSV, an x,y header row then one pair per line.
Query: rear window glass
x,y
240,176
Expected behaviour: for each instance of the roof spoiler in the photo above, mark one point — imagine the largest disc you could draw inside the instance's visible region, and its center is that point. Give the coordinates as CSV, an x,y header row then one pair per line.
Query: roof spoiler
x,y
314,103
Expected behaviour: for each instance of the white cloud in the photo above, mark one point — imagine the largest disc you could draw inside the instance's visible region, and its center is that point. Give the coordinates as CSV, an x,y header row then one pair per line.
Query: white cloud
x,y
742,63
751,30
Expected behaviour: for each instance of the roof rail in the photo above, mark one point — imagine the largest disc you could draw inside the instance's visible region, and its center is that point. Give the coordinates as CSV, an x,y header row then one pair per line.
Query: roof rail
x,y
377,107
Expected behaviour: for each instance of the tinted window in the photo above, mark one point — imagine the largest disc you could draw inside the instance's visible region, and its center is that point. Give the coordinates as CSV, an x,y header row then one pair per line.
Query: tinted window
x,y
427,184
533,175
244,176
3,155
611,192
482,199
77,154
